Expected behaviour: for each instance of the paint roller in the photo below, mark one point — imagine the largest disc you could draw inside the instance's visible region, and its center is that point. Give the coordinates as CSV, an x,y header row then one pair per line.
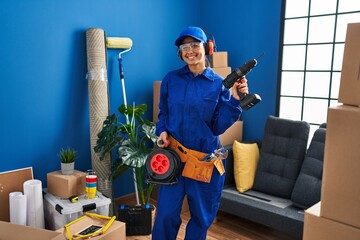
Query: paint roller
x,y
120,43
125,44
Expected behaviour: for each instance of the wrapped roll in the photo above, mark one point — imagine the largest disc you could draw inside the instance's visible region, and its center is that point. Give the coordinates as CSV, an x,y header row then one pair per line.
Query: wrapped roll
x,y
98,103
35,205
18,205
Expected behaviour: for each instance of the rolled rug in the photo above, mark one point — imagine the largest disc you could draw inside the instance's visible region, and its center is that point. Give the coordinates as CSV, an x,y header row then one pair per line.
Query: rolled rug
x,y
98,103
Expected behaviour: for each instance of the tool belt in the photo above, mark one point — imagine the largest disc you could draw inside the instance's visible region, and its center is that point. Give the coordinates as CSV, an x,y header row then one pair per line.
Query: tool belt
x,y
195,167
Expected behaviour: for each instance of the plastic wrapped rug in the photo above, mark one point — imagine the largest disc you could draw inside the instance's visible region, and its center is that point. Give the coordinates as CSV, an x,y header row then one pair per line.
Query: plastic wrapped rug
x,y
98,104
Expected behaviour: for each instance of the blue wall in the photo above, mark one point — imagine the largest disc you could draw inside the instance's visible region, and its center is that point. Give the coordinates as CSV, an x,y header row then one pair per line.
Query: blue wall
x,y
44,96
246,29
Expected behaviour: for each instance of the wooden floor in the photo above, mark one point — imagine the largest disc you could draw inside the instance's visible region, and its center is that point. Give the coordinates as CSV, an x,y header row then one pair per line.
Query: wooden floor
x,y
228,227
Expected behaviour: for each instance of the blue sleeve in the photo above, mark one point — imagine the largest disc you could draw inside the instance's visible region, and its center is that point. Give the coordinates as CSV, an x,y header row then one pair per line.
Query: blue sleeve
x,y
227,112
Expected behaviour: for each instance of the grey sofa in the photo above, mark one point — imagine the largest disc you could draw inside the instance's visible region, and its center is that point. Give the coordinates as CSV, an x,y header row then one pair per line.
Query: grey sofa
x,y
287,180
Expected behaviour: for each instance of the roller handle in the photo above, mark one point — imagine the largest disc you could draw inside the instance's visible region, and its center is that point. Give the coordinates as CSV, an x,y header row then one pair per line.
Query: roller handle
x,y
121,69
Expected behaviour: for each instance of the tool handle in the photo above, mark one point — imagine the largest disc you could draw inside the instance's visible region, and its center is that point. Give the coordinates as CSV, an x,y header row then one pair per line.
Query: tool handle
x,y
240,94
121,69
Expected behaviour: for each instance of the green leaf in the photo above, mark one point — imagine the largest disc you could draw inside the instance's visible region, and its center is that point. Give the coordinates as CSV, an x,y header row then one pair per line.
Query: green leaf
x,y
149,130
67,155
133,154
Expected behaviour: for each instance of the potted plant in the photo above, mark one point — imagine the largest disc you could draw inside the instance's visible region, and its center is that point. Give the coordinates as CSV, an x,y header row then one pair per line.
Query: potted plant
x,y
131,142
67,157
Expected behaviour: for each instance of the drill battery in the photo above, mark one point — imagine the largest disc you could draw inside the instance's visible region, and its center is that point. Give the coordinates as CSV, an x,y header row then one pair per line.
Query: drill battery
x,y
249,100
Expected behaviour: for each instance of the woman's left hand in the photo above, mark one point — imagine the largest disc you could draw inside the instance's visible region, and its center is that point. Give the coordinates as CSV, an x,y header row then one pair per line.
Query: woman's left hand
x,y
241,86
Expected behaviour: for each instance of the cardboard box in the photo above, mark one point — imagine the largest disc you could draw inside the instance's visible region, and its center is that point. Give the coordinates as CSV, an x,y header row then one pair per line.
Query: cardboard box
x,y
116,231
340,195
219,59
156,99
350,73
65,186
232,133
222,71
317,227
11,181
11,231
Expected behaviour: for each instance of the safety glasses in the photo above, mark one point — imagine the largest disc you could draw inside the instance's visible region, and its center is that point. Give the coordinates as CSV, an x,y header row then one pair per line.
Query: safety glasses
x,y
195,46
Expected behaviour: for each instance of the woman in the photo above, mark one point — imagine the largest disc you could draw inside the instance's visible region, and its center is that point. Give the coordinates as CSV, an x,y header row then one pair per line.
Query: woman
x,y
195,108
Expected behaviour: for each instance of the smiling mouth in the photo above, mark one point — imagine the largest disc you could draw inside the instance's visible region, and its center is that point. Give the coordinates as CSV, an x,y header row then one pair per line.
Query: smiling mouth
x,y
191,57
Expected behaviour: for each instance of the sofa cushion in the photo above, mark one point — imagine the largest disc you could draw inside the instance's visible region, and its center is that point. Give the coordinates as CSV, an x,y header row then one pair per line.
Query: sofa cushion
x,y
307,189
276,213
281,156
246,157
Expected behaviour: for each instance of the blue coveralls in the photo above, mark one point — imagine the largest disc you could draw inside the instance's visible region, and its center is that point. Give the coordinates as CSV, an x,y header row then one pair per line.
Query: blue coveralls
x,y
194,110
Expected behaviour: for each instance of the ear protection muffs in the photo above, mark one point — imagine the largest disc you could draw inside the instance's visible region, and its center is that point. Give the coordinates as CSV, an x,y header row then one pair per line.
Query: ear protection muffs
x,y
210,46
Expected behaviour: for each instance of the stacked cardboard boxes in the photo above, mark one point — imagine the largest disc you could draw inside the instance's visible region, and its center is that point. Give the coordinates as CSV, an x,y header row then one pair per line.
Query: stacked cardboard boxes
x,y
337,216
219,63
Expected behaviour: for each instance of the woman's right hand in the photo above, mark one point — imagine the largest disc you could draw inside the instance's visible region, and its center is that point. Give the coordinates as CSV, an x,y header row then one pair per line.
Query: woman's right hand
x,y
240,86
163,140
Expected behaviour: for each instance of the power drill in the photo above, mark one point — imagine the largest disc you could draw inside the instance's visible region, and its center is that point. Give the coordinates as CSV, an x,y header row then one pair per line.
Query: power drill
x,y
246,100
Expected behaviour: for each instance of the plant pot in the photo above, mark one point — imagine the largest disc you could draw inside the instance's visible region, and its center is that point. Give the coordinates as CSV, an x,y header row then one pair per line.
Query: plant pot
x,y
67,168
153,214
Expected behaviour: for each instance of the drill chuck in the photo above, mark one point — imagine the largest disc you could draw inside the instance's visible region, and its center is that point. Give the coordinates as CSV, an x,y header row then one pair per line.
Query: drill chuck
x,y
239,73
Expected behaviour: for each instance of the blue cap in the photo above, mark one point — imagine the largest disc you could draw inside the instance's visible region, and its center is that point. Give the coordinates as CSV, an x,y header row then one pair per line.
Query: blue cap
x,y
194,32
